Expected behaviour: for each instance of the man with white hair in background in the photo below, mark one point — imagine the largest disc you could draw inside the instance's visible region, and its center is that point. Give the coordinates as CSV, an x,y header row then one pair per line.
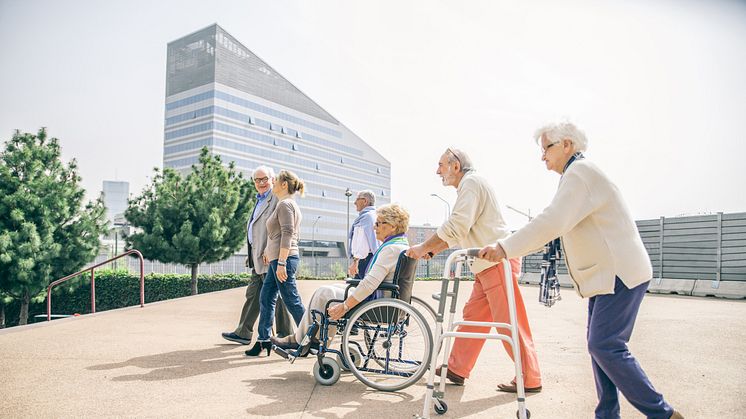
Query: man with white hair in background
x,y
362,240
256,239
607,262
475,221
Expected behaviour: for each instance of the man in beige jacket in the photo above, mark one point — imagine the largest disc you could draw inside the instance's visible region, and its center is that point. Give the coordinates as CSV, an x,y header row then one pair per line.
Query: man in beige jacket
x,y
607,262
476,220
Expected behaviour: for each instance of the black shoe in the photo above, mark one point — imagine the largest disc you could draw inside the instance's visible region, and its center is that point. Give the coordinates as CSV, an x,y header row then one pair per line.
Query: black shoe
x,y
235,338
258,348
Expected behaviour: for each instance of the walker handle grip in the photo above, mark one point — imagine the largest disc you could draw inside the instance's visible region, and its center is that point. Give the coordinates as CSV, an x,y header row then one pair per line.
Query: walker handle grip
x,y
473,252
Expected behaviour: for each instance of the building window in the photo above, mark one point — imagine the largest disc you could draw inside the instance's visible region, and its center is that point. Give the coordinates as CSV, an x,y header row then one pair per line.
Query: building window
x,y
295,147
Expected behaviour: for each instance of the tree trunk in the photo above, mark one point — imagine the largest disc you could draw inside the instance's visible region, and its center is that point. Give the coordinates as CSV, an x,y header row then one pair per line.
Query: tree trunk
x,y
23,316
195,267
2,314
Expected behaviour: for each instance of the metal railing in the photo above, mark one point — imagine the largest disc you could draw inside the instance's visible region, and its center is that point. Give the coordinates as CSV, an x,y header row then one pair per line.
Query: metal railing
x,y
93,282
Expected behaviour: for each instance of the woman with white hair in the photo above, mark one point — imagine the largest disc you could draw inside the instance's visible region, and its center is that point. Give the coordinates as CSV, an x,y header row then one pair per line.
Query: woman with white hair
x,y
392,222
607,263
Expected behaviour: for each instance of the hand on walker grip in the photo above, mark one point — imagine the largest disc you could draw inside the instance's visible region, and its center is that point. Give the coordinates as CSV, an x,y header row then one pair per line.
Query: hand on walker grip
x,y
492,253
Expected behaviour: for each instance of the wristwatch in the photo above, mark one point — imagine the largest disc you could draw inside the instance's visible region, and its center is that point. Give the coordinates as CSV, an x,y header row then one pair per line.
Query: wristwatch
x,y
281,263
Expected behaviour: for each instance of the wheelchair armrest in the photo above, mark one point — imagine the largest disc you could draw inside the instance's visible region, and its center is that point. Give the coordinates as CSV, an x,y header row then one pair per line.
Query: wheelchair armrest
x,y
387,286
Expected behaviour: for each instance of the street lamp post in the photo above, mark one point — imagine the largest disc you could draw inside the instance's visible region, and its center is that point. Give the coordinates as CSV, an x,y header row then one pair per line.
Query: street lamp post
x,y
448,206
522,213
348,194
527,215
313,248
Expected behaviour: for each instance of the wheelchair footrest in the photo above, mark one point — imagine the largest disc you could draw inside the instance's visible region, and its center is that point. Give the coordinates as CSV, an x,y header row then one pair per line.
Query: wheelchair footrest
x,y
283,353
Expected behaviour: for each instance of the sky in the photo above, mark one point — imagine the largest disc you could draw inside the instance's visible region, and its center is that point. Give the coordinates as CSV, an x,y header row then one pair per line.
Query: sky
x,y
659,87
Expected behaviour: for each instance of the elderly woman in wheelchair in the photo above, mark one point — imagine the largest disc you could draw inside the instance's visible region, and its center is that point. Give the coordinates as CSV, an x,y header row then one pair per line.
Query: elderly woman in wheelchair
x,y
386,342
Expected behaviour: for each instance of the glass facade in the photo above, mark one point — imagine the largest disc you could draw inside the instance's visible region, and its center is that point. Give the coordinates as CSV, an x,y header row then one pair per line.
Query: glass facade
x,y
222,96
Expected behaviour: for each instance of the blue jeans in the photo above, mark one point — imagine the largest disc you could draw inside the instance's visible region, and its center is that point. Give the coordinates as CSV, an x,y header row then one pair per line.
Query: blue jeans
x,y
268,296
611,318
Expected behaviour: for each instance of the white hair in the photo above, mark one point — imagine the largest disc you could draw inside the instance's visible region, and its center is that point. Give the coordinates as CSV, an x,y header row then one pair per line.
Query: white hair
x,y
368,196
457,155
558,131
268,170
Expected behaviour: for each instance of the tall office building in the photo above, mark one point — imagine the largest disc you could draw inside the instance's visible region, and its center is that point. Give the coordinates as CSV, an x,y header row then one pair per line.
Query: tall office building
x,y
222,96
115,200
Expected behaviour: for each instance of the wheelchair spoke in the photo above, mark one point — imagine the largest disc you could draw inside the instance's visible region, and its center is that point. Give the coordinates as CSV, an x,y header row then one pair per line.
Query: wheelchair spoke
x,y
397,344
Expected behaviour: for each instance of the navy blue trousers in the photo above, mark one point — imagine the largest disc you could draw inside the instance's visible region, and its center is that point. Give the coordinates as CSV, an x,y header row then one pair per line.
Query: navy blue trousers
x,y
611,318
362,266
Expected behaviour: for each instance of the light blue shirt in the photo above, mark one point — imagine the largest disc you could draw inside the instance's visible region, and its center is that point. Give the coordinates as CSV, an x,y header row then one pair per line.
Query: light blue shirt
x,y
261,199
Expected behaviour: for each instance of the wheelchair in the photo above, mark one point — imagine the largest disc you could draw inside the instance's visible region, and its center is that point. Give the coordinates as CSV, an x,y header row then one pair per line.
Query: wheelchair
x,y
386,342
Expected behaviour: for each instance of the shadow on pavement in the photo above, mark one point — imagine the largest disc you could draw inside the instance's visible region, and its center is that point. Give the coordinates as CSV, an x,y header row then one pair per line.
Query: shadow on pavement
x,y
182,364
297,393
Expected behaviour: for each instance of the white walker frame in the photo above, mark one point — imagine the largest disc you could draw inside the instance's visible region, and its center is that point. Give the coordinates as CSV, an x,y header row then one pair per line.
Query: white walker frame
x,y
434,398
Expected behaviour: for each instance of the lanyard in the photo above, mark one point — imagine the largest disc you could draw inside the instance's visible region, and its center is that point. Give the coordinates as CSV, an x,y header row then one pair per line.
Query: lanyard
x,y
398,239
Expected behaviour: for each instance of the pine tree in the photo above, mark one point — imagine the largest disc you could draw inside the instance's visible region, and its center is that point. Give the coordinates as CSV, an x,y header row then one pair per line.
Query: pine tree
x,y
200,218
45,232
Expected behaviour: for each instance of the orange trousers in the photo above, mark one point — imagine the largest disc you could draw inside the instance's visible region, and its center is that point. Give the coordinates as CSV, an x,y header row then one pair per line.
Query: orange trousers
x,y
489,303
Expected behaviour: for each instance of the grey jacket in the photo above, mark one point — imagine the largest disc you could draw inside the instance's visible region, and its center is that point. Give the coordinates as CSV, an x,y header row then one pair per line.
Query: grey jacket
x,y
259,234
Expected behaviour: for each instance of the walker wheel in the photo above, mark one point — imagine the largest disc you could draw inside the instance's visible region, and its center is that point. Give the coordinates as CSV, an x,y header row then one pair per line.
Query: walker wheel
x,y
518,414
440,407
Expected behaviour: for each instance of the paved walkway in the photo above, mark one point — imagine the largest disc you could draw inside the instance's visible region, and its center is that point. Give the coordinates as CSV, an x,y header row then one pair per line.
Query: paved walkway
x,y
168,360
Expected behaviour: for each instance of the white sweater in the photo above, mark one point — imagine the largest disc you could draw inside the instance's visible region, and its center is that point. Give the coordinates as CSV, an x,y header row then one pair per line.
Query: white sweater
x,y
598,233
476,220
381,271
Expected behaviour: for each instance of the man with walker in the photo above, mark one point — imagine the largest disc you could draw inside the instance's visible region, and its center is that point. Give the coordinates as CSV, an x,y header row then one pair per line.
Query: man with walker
x,y
476,221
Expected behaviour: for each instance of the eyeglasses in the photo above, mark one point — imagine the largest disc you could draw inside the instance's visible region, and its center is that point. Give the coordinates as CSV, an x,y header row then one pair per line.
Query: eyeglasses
x,y
544,150
379,223
448,150
261,179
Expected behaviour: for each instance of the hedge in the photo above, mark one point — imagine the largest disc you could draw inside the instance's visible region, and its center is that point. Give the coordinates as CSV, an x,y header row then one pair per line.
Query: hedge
x,y
117,289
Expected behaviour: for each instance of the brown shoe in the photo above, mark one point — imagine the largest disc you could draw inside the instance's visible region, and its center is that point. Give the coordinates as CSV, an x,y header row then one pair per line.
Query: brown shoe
x,y
452,377
676,415
512,388
287,342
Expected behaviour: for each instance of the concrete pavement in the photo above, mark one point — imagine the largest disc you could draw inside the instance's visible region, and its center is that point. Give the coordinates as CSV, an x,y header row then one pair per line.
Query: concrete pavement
x,y
168,360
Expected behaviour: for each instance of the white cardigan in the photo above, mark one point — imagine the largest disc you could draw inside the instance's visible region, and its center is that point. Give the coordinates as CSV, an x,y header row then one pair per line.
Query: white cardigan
x,y
598,233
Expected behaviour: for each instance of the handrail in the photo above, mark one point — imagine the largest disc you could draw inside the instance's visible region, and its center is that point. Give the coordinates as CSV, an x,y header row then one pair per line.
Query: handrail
x,y
93,282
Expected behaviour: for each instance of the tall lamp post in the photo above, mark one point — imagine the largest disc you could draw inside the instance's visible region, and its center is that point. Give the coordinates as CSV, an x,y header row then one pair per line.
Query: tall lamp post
x,y
348,194
522,213
527,215
448,206
313,248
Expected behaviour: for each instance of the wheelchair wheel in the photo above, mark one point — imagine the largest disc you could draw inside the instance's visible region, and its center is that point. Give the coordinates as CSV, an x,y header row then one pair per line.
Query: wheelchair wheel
x,y
327,372
356,358
395,343
428,312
